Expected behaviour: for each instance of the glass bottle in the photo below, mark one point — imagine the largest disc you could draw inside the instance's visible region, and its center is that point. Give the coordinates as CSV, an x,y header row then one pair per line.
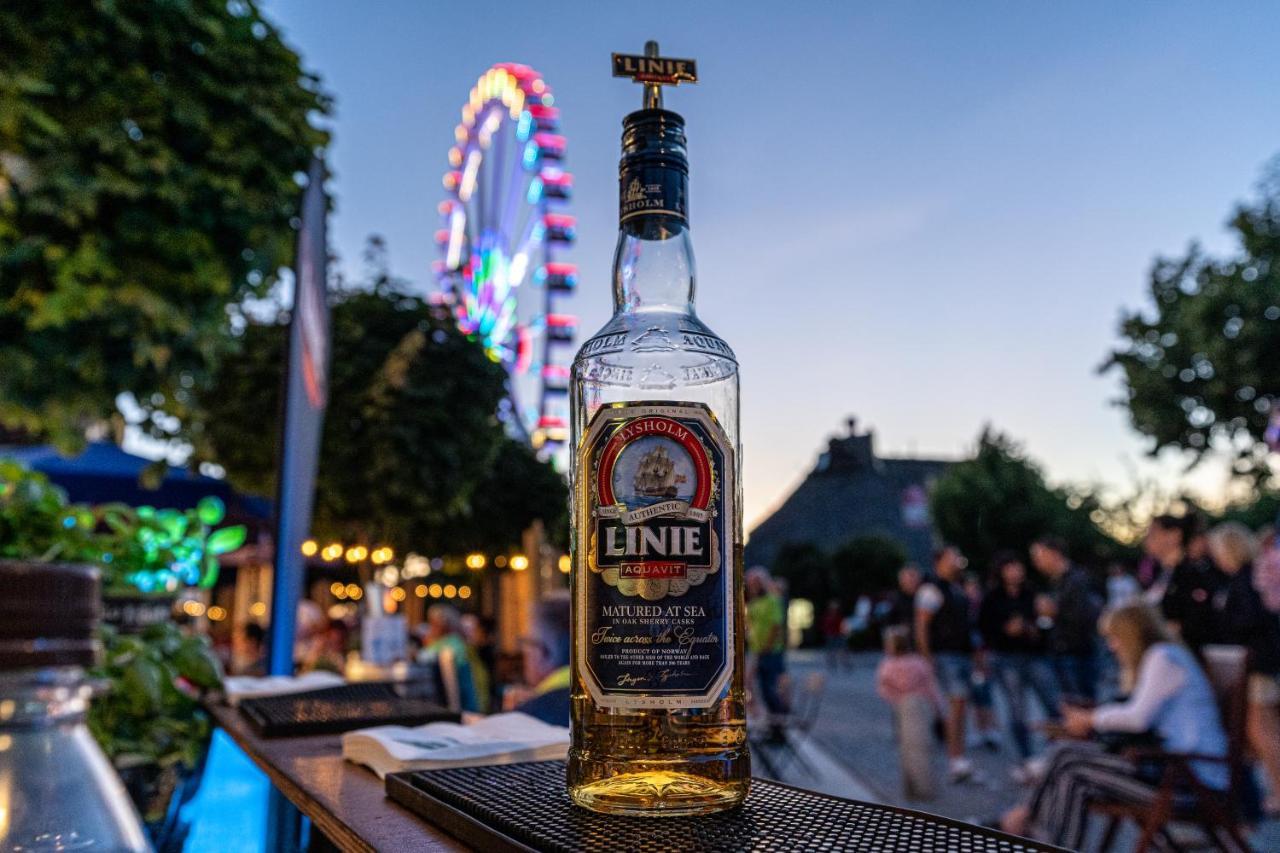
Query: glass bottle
x,y
57,789
658,722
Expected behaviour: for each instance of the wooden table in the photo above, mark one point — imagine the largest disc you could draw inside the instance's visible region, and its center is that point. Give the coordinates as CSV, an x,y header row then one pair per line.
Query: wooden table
x,y
344,801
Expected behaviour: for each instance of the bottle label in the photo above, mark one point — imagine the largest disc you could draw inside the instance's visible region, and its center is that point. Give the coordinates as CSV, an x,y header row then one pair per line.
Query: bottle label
x,y
654,619
653,190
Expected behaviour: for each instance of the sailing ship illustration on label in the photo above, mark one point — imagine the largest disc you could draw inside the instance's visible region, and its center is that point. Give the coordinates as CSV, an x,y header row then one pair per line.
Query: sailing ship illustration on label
x,y
656,475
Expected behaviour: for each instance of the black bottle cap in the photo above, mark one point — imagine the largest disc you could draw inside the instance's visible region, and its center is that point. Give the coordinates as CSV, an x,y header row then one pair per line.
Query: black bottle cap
x,y
653,175
654,137
49,614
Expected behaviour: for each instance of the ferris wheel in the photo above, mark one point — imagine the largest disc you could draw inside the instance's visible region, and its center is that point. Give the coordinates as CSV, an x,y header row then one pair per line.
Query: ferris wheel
x,y
503,229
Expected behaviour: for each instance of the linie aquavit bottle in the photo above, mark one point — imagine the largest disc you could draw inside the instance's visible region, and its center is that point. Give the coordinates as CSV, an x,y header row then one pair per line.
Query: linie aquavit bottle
x,y
657,705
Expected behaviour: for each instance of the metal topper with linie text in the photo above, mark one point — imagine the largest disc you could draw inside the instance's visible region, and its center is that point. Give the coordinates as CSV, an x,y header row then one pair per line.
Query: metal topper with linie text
x,y
655,69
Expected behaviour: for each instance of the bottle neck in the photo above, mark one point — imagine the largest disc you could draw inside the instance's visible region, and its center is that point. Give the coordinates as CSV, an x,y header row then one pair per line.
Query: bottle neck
x,y
35,697
653,268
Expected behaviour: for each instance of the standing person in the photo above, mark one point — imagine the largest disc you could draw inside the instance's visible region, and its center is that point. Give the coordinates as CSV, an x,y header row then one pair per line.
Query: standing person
x,y
1073,614
981,692
1185,587
833,639
905,680
1122,587
902,602
1243,620
1007,621
944,637
766,639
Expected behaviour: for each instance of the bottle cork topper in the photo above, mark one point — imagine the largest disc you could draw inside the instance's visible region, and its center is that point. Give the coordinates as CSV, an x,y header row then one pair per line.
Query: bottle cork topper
x,y
654,72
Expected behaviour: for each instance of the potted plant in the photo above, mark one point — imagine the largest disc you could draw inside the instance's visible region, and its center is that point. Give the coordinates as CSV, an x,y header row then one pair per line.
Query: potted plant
x,y
147,717
150,723
150,554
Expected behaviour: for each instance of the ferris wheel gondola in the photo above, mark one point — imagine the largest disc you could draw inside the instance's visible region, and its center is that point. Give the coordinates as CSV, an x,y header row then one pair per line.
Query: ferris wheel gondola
x,y
504,227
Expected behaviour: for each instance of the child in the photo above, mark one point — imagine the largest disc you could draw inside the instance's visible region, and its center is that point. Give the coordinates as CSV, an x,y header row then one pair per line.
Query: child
x,y
905,680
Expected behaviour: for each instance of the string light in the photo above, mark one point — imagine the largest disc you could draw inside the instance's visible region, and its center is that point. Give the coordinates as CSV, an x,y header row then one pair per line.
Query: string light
x,y
216,614
450,591
258,608
566,564
519,563
464,592
475,562
420,590
309,548
398,594
435,590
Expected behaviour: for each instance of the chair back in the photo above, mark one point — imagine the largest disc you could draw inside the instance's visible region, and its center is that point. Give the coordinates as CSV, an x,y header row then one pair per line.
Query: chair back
x,y
805,710
1227,668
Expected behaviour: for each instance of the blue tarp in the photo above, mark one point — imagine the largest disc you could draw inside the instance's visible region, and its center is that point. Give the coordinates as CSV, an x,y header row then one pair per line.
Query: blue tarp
x,y
104,473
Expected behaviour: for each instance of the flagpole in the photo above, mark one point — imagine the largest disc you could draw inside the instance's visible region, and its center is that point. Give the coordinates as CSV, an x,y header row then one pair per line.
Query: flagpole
x,y
302,407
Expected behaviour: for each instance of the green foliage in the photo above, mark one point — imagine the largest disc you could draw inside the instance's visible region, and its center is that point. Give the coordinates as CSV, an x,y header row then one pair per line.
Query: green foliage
x,y
152,712
807,570
37,522
517,489
866,565
1202,367
161,550
141,549
999,500
148,154
412,454
1260,512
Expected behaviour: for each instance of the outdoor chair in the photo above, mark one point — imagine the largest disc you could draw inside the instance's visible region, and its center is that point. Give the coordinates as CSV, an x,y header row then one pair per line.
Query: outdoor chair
x,y
1182,801
777,753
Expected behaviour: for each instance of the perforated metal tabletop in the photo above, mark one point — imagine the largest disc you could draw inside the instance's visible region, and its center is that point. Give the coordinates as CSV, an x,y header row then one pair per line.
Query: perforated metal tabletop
x,y
524,807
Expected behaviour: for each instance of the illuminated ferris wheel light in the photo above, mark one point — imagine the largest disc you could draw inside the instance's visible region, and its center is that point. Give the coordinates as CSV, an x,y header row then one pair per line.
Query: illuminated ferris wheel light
x,y
502,225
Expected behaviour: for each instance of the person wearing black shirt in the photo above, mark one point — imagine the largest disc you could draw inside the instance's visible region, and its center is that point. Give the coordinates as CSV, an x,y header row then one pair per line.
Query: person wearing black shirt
x,y
1186,586
944,635
1242,619
902,603
1007,622
1073,614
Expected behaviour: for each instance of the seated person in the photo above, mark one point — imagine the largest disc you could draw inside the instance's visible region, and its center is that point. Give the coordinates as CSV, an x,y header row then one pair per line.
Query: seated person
x,y
1171,698
442,644
546,661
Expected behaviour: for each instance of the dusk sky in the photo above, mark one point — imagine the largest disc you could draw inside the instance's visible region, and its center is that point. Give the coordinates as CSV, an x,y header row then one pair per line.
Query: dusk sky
x,y
927,215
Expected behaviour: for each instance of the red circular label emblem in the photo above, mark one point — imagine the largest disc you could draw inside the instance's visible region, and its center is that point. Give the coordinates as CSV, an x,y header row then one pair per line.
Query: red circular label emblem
x,y
645,427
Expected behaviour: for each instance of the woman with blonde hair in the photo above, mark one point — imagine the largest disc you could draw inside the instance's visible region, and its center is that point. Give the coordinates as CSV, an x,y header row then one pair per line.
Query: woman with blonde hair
x,y
1244,620
1169,698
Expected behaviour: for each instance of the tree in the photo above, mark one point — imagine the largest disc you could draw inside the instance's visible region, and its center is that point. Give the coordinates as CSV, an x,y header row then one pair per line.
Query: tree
x,y
865,565
1203,367
412,454
999,500
149,156
806,569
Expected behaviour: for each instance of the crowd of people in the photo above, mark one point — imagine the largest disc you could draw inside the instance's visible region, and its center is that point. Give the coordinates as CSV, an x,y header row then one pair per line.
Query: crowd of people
x,y
1099,663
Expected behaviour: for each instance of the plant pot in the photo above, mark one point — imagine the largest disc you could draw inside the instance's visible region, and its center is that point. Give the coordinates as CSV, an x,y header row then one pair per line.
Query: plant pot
x,y
131,613
160,793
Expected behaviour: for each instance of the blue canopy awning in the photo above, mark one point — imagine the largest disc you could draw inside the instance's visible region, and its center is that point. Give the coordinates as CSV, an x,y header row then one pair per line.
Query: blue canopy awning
x,y
103,473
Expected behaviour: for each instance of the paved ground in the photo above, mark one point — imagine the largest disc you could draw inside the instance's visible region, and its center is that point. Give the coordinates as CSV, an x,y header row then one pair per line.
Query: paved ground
x,y
855,727
854,732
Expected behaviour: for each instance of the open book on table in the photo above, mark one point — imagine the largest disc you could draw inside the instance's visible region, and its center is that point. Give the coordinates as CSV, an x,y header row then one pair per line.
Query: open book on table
x,y
500,739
